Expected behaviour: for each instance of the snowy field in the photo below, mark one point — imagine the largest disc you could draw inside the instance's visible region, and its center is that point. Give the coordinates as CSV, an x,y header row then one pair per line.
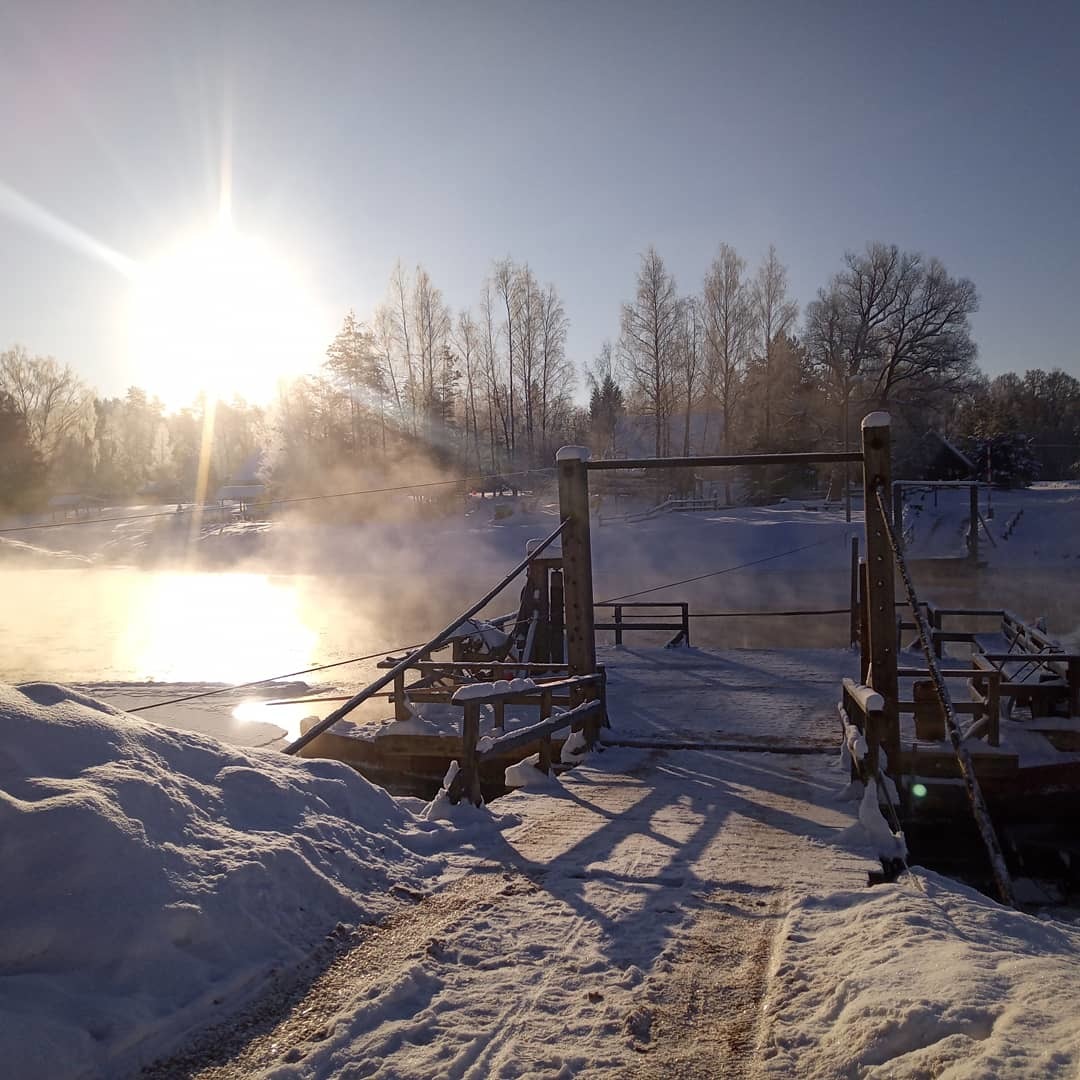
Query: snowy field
x,y
689,909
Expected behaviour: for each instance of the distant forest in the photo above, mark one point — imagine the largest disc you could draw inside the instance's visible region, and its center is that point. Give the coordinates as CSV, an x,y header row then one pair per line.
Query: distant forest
x,y
733,366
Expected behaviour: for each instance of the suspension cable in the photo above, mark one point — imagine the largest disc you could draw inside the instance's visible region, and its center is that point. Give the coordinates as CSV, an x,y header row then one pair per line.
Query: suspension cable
x,y
272,679
273,502
967,768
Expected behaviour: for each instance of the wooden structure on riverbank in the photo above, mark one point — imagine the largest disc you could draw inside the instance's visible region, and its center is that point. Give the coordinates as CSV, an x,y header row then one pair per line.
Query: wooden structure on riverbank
x,y
912,732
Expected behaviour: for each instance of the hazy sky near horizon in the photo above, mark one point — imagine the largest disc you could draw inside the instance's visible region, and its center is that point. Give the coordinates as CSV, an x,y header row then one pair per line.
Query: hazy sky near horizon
x,y
570,135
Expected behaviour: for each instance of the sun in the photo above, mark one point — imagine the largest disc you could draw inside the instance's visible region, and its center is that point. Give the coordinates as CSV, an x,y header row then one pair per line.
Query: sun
x,y
220,313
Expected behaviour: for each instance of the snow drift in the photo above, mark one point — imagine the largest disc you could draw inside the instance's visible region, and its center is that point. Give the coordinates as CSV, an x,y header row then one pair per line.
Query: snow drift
x,y
923,978
153,877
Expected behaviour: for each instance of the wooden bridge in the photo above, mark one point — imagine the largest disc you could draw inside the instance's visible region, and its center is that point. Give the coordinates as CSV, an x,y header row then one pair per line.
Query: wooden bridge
x,y
904,715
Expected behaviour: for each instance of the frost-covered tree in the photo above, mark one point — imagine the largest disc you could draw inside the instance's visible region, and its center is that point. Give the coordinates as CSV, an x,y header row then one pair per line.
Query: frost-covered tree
x,y
649,344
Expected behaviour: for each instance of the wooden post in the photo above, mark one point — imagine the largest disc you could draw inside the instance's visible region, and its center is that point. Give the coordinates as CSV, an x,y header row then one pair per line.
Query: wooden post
x,y
542,648
545,741
618,624
470,768
557,628
854,639
401,711
881,589
577,564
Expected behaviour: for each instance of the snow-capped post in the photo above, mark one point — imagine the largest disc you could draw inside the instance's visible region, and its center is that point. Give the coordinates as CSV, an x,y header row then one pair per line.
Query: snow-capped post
x,y
881,588
469,774
577,565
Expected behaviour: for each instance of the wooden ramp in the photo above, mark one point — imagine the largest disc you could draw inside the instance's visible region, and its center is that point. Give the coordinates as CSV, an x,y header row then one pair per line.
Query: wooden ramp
x,y
736,698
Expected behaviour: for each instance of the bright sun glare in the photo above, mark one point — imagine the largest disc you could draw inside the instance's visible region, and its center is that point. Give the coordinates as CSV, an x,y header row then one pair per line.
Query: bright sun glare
x,y
220,312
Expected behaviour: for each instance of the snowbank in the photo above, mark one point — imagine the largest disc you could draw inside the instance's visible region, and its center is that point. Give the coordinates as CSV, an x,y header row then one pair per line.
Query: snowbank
x,y
154,877
922,978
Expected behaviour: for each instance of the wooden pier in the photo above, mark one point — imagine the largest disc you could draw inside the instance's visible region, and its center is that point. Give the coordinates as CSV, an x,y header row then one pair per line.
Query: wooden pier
x,y
985,723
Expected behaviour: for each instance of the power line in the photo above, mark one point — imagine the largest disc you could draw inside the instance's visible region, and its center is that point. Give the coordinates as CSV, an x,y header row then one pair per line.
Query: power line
x,y
716,573
290,675
274,502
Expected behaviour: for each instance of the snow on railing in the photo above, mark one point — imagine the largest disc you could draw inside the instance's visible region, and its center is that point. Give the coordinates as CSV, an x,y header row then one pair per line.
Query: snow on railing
x,y
586,717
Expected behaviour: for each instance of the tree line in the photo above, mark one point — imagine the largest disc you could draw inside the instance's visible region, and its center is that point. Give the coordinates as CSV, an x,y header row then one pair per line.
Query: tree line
x,y
730,365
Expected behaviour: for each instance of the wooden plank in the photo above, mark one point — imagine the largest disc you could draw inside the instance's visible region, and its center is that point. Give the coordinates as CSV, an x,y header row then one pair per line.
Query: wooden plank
x,y
446,697
514,740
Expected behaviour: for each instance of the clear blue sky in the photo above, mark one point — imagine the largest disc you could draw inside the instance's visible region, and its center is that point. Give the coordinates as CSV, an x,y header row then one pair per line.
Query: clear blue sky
x,y
571,135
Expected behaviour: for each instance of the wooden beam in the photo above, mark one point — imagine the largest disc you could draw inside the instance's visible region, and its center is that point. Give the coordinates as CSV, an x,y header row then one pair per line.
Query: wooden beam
x,y
816,457
881,588
577,562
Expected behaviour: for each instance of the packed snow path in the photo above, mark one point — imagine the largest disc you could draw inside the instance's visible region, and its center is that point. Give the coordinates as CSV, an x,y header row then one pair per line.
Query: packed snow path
x,y
617,922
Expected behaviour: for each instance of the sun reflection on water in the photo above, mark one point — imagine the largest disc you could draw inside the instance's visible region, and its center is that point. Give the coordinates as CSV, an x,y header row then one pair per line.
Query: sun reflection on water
x,y
224,627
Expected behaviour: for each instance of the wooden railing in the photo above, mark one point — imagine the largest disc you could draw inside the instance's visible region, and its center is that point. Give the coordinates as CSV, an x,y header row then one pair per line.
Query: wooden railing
x,y
423,652
862,714
619,626
586,716
1016,663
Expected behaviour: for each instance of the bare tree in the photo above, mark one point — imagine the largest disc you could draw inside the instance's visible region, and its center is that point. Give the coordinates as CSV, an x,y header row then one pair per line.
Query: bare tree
x,y
385,336
691,361
892,320
648,343
776,315
729,325
506,287
498,412
54,403
467,341
400,292
926,344
555,372
431,319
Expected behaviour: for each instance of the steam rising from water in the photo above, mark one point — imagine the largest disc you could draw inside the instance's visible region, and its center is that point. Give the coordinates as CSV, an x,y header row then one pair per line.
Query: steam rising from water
x,y
347,577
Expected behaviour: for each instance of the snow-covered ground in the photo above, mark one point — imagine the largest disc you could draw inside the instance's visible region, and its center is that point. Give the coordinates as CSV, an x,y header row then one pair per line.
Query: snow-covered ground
x,y
659,911
922,978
